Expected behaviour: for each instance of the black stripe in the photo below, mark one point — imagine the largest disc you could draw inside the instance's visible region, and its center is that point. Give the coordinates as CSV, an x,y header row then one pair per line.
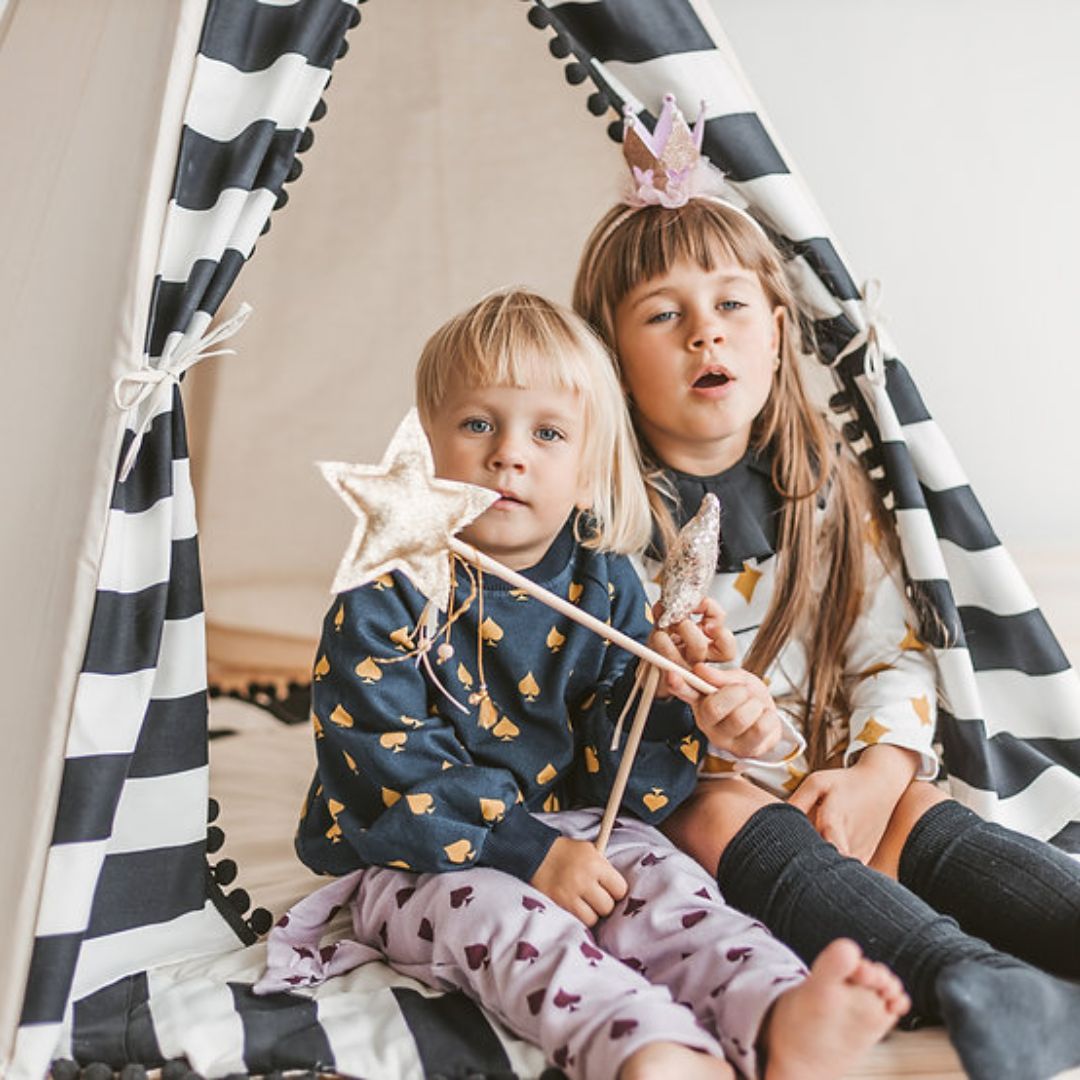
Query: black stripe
x,y
1003,764
259,157
52,967
184,597
125,631
1068,839
631,31
151,479
142,888
89,793
175,302
831,335
114,1025
740,146
452,1035
900,470
907,402
829,267
281,1031
251,36
1021,642
173,737
958,517
939,620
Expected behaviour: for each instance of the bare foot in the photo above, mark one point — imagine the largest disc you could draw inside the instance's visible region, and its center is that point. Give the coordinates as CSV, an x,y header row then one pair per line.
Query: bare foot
x,y
822,1027
663,1060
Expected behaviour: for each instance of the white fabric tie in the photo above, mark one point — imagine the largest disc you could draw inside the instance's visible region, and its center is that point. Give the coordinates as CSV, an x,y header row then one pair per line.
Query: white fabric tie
x,y
870,334
150,383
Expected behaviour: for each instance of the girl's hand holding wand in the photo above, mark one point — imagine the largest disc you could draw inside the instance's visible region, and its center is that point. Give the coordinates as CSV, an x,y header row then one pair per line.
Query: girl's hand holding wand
x,y
579,879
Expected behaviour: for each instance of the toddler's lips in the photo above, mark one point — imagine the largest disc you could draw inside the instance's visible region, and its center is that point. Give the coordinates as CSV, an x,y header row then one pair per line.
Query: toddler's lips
x,y
709,380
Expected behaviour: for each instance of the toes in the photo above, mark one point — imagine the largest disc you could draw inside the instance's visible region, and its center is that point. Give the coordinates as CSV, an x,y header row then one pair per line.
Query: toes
x,y
838,961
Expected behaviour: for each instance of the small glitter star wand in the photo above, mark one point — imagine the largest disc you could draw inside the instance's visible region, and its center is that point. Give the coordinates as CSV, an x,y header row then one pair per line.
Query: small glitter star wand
x,y
684,583
406,521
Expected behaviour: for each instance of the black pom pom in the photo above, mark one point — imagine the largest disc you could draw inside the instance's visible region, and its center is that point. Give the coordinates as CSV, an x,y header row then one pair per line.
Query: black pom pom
x,y
262,232
853,431
213,808
840,401
239,900
175,1069
319,111
215,837
539,16
615,131
343,48
306,139
97,1070
225,872
132,1071
281,199
296,169
576,73
261,920
354,18
598,104
560,47
64,1069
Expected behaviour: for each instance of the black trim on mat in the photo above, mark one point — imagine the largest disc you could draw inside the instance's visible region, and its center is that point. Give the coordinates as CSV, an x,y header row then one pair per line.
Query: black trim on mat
x,y
281,1031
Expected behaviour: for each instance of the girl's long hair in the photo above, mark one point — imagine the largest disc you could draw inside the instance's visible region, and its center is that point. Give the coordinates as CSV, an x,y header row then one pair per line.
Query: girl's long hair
x,y
821,572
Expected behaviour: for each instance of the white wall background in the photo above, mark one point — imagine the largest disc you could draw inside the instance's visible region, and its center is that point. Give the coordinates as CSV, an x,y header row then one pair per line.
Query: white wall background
x,y
941,141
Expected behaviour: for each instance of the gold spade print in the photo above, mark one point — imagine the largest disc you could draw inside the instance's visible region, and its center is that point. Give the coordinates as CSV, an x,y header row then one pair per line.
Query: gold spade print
x,y
551,803
390,796
340,717
333,834
546,774
399,864
655,799
715,765
316,723
334,807
592,762
460,851
506,730
491,632
402,638
795,778
690,748
464,677
339,616
746,582
411,721
520,595
322,668
393,740
383,581
874,669
368,671
492,809
350,760
488,715
421,803
872,732
446,765
528,687
555,641
574,592
648,613
911,641
922,709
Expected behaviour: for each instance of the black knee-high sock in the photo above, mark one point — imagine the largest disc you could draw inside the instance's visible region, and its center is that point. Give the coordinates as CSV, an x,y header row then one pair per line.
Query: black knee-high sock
x,y
779,870
1018,893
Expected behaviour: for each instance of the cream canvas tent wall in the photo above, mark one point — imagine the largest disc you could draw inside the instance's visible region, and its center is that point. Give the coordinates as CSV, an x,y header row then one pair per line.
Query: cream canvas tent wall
x,y
158,141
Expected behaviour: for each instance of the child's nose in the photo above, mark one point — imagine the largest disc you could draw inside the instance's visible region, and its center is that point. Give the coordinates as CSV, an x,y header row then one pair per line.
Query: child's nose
x,y
508,453
705,332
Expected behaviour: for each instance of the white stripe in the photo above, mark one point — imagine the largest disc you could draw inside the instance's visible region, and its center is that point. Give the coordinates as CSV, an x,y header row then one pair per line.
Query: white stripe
x,y
692,77
1030,706
105,959
988,579
779,198
224,101
71,874
935,463
138,547
1041,810
108,712
161,811
922,553
181,666
35,1046
233,222
959,689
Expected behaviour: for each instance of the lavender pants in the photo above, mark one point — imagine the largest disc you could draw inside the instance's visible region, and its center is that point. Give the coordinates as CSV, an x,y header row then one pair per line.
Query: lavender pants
x,y
671,963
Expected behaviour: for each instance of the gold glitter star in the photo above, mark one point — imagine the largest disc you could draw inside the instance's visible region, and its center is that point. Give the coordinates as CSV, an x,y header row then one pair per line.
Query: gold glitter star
x,y
406,516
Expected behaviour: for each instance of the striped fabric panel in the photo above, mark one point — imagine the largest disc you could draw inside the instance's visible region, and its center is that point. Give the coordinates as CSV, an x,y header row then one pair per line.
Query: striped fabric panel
x,y
126,883
1019,722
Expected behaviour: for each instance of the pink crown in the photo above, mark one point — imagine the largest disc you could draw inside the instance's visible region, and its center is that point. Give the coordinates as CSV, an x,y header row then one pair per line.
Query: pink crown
x,y
667,165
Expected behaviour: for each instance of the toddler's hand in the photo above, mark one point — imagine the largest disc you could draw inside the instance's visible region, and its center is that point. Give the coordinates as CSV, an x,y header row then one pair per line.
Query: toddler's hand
x,y
740,716
693,642
578,878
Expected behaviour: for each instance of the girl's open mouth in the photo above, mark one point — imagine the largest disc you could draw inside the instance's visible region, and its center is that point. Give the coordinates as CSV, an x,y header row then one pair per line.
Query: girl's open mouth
x,y
711,379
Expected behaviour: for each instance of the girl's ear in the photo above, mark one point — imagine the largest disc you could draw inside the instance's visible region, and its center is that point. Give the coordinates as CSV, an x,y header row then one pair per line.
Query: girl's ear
x,y
778,314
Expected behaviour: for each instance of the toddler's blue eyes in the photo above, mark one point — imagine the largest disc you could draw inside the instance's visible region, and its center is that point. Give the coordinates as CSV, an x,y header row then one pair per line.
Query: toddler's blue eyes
x,y
548,434
477,427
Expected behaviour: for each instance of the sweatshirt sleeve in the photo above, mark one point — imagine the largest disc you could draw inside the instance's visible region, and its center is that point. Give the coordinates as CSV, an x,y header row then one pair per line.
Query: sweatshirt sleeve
x,y
394,780
665,767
